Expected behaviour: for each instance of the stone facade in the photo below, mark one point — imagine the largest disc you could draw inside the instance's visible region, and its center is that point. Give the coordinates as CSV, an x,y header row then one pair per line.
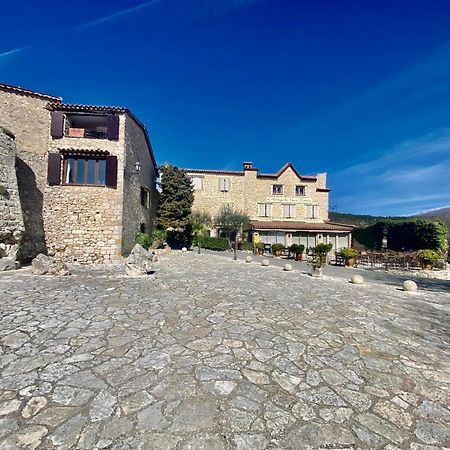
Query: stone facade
x,y
81,222
297,211
11,219
25,113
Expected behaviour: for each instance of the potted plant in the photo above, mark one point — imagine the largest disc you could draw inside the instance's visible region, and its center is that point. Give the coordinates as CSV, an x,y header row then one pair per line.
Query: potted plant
x,y
349,255
297,249
317,267
259,246
321,251
276,249
427,258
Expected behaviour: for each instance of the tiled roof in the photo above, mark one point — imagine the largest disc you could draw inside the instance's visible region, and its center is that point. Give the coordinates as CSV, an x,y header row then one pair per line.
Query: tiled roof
x,y
299,226
83,151
21,91
259,175
73,107
76,107
218,172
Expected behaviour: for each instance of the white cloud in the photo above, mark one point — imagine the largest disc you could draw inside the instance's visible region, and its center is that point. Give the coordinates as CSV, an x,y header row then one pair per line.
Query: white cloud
x,y
118,14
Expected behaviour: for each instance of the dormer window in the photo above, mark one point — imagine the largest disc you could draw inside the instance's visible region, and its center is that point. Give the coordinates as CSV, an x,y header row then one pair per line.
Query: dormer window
x,y
277,189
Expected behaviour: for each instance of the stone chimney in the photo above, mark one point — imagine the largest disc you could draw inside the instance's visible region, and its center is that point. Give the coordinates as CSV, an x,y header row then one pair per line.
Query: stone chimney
x,y
247,165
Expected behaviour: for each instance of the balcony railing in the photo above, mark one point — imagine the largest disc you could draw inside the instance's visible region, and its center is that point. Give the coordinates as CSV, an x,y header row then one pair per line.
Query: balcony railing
x,y
86,133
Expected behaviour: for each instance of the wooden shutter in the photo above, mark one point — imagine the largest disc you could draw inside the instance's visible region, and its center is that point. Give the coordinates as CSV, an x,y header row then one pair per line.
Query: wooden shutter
x,y
268,210
111,171
113,127
57,128
54,169
226,184
260,210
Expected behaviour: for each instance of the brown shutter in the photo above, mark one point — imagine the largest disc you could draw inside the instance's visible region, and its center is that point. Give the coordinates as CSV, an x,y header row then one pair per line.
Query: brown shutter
x,y
54,169
57,128
111,171
113,127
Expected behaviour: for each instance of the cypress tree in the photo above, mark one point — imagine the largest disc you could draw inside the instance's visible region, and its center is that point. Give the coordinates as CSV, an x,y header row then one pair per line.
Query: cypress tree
x,y
175,200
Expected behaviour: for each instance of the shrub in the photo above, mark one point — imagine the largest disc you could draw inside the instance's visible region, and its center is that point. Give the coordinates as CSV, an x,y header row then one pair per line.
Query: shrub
x,y
297,248
178,239
214,243
260,246
277,248
428,257
322,249
247,246
348,253
412,234
158,237
143,239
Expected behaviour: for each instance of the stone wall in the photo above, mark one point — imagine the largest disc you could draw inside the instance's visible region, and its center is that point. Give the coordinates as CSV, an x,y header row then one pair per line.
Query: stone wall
x,y
247,190
27,116
11,219
84,223
134,214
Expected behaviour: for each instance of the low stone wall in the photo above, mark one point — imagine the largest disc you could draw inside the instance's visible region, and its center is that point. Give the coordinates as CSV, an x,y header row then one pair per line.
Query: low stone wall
x,y
11,219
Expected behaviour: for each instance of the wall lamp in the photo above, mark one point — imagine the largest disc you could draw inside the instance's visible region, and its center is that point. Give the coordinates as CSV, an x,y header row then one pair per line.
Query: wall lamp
x,y
137,169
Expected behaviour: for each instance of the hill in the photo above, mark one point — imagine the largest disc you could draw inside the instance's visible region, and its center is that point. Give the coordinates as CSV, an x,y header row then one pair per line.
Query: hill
x,y
443,214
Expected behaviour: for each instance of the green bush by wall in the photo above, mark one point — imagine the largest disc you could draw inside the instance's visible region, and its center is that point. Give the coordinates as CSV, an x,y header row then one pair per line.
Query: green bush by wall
x,y
213,243
404,235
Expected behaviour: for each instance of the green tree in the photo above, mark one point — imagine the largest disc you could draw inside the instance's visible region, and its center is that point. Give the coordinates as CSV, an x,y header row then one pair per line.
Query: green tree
x,y
200,222
175,200
230,222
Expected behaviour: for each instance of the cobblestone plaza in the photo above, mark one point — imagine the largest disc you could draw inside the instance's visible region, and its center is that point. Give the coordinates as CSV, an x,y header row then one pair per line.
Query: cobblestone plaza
x,y
211,353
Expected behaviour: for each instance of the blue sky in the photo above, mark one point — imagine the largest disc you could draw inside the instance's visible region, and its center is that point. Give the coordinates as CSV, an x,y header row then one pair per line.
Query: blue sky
x,y
357,89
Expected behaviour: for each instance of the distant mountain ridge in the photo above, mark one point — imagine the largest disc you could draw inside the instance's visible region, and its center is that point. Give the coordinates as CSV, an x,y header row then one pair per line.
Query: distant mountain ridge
x,y
361,220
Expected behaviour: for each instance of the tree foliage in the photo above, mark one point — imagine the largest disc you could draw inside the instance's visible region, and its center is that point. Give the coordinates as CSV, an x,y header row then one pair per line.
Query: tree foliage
x,y
175,200
411,234
200,222
230,222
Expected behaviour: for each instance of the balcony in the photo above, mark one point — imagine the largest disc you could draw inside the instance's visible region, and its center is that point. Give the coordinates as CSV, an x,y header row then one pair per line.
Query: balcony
x,y
86,126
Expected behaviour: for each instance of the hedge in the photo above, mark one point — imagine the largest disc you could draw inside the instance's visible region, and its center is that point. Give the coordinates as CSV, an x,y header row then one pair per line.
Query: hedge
x,y
213,243
404,235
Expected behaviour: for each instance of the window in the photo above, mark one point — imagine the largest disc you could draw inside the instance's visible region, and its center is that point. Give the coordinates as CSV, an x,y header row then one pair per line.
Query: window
x,y
145,197
197,182
288,211
224,184
277,189
264,210
300,190
85,170
312,211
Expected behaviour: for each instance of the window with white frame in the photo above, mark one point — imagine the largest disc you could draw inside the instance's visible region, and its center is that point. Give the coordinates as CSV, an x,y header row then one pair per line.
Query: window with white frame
x,y
224,184
312,211
277,189
264,210
197,182
288,211
300,190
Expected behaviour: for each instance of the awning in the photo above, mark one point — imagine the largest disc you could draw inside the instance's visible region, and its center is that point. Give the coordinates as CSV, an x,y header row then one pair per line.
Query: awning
x,y
300,226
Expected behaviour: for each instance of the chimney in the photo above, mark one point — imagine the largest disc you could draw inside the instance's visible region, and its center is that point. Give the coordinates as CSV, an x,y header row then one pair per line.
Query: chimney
x,y
247,165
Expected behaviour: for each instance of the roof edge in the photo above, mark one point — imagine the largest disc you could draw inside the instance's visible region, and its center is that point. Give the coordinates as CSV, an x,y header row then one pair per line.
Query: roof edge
x,y
22,91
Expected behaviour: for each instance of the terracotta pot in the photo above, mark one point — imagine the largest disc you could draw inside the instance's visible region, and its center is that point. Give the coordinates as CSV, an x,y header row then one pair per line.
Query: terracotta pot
x,y
323,259
426,266
299,256
350,262
278,253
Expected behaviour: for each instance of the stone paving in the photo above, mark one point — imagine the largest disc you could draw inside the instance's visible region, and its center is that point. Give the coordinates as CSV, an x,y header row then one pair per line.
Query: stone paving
x,y
209,353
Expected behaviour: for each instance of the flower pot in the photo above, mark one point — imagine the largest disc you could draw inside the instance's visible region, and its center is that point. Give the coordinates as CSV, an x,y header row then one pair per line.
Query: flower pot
x,y
426,266
350,262
323,259
277,253
299,256
316,272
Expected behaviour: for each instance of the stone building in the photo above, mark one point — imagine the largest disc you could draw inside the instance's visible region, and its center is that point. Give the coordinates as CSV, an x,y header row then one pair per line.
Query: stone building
x,y
11,219
86,174
284,207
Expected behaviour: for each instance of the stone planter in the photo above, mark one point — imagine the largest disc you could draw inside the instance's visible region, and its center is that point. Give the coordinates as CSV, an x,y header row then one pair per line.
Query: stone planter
x,y
349,262
316,272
